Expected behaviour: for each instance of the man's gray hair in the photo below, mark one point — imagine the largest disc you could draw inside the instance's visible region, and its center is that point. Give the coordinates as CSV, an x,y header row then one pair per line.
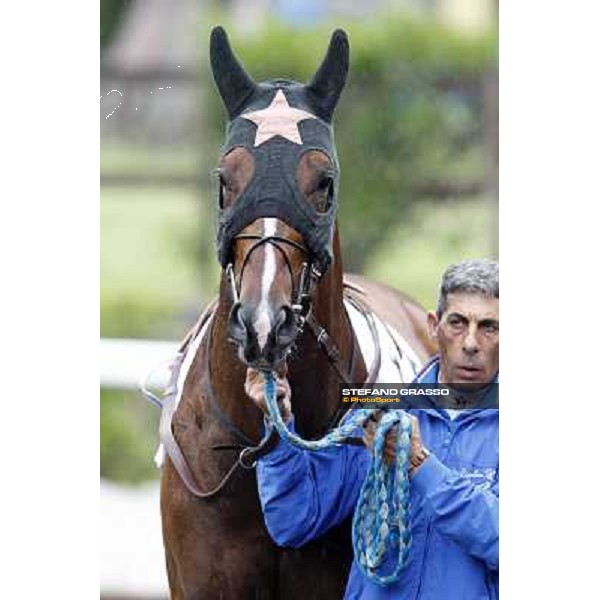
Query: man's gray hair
x,y
472,276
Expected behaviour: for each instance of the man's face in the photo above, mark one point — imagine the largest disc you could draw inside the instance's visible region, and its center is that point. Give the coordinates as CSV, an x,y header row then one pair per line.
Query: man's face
x,y
468,338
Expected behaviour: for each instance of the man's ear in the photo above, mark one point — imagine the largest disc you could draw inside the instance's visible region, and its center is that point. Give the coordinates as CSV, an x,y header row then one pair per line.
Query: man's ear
x,y
432,325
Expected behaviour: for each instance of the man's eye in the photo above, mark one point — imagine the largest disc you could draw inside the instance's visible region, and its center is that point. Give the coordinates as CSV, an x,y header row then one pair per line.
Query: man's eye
x,y
491,328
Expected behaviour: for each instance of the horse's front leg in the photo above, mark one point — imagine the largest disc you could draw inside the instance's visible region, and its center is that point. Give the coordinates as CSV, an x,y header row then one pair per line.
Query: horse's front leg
x,y
214,548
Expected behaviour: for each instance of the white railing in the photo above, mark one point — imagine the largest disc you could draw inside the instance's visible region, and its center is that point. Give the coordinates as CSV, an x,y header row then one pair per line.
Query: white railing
x,y
131,551
124,362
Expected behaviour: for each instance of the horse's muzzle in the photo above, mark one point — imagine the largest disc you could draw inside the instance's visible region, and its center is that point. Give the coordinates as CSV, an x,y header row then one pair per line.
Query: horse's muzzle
x,y
263,341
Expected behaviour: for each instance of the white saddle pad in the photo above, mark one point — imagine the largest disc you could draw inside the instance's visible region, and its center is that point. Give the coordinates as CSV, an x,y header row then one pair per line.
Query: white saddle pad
x,y
399,362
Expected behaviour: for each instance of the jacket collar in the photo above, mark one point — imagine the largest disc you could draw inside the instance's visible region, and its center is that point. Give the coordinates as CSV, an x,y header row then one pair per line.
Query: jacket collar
x,y
429,375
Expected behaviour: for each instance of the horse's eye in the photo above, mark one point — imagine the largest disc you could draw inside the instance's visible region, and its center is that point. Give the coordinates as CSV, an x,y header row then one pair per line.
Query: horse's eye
x,y
325,183
222,187
324,195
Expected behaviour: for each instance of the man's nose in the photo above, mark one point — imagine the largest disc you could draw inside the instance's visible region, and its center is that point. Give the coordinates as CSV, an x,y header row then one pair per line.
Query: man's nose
x,y
470,343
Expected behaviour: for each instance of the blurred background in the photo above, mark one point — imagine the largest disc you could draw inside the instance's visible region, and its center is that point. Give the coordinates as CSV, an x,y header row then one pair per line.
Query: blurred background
x,y
417,137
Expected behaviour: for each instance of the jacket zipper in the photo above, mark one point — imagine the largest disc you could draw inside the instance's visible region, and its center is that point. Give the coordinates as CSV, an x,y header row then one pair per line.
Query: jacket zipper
x,y
429,527
421,576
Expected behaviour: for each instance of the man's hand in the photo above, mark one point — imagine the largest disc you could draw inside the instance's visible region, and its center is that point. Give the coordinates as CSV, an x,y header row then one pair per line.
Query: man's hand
x,y
255,389
418,454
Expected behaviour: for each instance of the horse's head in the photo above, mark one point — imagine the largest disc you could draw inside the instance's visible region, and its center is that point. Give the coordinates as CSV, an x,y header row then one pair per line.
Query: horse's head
x,y
277,196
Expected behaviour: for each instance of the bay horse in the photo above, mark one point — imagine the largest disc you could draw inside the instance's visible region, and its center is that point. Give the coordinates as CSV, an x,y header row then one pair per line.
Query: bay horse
x,y
283,305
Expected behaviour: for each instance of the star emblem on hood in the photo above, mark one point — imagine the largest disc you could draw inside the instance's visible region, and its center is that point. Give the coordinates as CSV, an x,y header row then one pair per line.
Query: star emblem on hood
x,y
279,118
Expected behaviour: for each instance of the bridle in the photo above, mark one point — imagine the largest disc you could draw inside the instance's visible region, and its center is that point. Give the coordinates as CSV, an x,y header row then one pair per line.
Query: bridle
x,y
302,294
302,299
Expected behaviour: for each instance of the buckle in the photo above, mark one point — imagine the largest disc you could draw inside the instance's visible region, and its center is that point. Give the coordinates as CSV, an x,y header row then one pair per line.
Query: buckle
x,y
315,272
242,459
231,278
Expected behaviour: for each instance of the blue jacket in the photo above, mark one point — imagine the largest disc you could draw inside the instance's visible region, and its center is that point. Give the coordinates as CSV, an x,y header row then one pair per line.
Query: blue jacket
x,y
454,504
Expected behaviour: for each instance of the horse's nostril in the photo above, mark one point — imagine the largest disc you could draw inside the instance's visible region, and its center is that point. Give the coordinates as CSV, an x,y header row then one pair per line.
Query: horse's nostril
x,y
237,326
285,326
242,334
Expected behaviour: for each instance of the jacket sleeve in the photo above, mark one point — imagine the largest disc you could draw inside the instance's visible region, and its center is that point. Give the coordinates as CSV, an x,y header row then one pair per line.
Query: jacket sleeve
x,y
304,493
467,515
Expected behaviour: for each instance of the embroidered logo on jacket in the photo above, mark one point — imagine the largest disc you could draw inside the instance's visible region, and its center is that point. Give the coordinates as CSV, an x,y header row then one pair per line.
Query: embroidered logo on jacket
x,y
482,478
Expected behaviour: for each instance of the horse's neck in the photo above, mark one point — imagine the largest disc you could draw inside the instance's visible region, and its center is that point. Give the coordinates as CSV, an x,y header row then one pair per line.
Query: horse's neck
x,y
329,297
315,383
228,374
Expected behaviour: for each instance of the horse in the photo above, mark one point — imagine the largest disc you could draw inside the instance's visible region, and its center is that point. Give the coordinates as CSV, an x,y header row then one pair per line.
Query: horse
x,y
284,304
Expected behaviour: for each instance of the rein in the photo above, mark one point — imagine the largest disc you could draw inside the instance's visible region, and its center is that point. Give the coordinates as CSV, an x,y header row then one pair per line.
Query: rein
x,y
249,453
246,458
381,522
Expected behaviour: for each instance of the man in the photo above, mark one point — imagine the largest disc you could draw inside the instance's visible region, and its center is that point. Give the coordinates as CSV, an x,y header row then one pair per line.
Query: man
x,y
454,462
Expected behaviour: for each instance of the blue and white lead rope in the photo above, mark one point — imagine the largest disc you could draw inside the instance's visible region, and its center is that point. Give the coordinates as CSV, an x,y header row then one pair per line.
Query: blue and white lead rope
x,y
381,522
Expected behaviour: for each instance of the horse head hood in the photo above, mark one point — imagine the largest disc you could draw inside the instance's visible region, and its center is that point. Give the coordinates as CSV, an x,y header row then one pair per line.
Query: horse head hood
x,y
277,122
